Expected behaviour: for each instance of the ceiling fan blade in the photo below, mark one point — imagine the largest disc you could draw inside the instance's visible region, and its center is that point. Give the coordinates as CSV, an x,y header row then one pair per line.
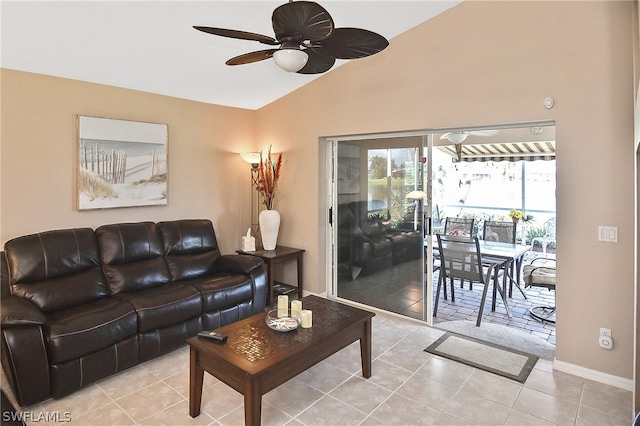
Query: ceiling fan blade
x,y
352,43
301,20
317,63
243,35
483,132
248,58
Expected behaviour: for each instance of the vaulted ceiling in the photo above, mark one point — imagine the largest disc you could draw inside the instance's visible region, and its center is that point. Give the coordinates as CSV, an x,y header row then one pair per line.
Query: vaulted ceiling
x,y
151,46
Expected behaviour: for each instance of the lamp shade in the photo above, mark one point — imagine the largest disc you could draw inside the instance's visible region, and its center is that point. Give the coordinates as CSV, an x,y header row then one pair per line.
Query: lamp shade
x,y
416,195
457,137
251,157
289,59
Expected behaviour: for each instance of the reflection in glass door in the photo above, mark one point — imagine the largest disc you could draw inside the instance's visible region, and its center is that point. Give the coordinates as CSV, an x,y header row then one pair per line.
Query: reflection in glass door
x,y
379,223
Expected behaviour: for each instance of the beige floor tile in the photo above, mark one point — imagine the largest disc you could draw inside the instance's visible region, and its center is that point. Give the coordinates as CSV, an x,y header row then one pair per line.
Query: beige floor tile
x,y
219,400
607,398
589,416
271,416
329,411
544,365
107,415
399,410
79,402
388,375
361,394
180,382
177,414
556,383
405,354
446,371
293,397
424,390
127,382
473,408
518,418
493,387
553,409
149,400
348,359
324,376
447,420
169,364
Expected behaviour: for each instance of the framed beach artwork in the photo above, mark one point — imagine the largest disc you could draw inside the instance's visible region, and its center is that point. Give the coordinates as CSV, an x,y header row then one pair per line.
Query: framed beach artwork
x,y
121,163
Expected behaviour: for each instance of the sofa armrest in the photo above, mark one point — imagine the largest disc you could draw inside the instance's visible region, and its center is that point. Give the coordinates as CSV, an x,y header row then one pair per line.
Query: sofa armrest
x,y
23,350
238,263
18,311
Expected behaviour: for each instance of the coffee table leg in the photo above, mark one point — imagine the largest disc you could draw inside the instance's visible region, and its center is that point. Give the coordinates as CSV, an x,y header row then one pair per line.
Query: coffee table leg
x,y
365,350
252,404
196,376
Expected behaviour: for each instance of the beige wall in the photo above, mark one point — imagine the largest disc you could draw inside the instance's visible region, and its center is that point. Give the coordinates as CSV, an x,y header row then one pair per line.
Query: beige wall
x,y
485,63
480,63
207,179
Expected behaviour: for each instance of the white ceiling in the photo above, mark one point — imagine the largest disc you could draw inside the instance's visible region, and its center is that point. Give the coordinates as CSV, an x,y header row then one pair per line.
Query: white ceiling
x,y
151,45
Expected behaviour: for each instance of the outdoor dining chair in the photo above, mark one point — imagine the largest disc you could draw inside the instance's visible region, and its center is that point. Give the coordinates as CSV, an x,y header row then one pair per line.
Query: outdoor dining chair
x,y
458,226
503,232
460,258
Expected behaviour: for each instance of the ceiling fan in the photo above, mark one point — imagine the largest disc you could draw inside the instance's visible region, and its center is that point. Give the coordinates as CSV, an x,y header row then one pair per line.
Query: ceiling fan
x,y
308,41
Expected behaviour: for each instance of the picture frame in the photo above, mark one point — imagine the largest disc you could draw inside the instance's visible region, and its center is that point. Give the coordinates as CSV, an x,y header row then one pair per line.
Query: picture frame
x,y
121,163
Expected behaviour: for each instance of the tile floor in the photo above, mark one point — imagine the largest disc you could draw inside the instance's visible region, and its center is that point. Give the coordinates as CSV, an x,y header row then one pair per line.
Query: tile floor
x,y
408,387
400,290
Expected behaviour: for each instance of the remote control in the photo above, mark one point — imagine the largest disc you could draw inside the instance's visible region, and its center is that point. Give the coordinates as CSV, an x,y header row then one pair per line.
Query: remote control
x,y
218,337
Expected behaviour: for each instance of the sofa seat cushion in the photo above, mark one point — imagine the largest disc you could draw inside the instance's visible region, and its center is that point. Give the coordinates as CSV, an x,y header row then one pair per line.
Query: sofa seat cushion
x,y
163,306
381,246
84,329
221,290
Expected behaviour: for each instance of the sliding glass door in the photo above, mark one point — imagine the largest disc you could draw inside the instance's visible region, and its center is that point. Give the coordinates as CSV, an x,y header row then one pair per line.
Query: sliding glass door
x,y
391,193
380,220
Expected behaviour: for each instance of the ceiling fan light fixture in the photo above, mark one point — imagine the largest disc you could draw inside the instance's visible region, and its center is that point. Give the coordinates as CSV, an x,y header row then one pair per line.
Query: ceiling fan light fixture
x,y
290,59
457,137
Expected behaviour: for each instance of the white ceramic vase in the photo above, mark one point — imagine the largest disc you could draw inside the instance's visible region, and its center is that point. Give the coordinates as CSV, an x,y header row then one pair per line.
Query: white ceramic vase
x,y
269,226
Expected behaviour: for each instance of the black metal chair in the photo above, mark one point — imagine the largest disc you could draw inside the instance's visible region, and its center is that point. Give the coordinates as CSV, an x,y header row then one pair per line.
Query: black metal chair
x,y
460,258
503,232
541,272
460,226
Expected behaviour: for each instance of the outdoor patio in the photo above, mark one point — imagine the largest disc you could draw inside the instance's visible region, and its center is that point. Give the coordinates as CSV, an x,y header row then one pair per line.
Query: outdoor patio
x,y
399,290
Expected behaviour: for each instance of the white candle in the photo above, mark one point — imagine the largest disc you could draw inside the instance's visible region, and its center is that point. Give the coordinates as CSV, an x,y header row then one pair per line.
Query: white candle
x,y
296,307
283,306
306,318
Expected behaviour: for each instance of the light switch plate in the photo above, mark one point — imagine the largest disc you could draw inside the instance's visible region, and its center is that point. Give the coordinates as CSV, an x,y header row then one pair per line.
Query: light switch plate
x,y
608,234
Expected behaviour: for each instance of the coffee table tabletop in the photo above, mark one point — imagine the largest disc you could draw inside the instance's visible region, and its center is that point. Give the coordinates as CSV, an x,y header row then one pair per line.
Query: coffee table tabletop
x,y
256,359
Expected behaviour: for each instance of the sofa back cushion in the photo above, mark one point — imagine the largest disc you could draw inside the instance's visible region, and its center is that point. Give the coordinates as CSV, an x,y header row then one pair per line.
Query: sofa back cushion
x,y
56,269
132,256
190,247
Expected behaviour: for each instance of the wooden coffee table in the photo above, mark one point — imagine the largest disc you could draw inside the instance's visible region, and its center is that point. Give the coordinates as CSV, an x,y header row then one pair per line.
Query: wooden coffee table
x,y
256,359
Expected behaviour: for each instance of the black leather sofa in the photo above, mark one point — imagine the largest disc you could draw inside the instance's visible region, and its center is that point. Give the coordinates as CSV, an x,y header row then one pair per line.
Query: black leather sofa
x,y
79,305
367,244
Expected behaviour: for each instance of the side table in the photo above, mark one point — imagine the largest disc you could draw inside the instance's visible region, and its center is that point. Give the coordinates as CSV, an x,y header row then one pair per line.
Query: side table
x,y
272,257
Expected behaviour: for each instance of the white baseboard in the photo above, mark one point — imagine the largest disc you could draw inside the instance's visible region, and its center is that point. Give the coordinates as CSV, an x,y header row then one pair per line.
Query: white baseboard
x,y
596,376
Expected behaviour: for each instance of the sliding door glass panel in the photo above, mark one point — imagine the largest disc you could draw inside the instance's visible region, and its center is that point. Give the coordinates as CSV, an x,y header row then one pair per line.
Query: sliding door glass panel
x,y
380,224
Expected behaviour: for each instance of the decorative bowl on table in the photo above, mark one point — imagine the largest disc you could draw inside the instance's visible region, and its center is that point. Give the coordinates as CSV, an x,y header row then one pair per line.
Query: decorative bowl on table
x,y
283,324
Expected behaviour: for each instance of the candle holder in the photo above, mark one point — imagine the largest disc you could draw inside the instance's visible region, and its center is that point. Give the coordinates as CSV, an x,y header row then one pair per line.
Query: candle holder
x,y
282,324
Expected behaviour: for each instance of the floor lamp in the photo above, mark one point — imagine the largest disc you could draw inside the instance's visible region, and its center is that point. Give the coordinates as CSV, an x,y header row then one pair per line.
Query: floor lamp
x,y
253,158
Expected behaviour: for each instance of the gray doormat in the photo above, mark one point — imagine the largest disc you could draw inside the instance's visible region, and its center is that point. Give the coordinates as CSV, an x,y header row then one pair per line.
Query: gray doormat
x,y
486,356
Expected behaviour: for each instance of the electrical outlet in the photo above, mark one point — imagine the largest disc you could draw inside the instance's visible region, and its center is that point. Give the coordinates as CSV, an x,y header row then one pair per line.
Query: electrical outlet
x,y
606,332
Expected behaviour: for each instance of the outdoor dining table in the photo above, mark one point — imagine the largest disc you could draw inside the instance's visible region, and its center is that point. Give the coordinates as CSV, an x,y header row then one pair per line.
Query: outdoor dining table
x,y
506,252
